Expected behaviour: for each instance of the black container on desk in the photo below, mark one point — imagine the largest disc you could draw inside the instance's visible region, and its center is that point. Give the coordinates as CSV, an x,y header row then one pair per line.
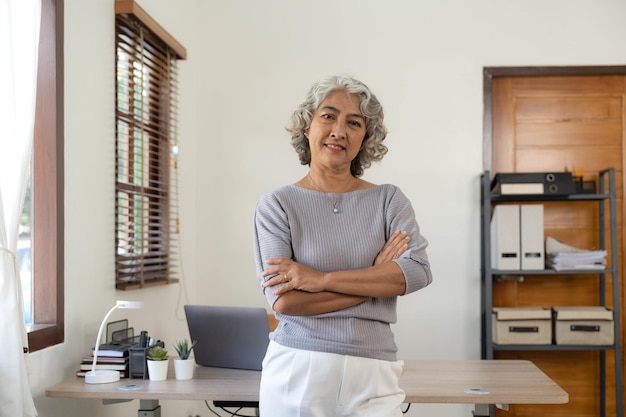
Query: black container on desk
x,y
138,361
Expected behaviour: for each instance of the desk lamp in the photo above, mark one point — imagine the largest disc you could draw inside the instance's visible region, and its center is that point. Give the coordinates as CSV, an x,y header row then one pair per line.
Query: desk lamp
x,y
103,376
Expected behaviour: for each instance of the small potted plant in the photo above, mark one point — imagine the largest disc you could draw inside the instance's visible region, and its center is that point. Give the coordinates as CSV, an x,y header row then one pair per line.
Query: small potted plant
x,y
184,364
157,363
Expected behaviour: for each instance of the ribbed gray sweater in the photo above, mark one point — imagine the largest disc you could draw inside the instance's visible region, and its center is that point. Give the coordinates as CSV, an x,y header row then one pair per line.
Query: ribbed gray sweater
x,y
298,223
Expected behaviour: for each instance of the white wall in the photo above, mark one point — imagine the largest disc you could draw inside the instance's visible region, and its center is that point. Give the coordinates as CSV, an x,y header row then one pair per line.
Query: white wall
x,y
249,63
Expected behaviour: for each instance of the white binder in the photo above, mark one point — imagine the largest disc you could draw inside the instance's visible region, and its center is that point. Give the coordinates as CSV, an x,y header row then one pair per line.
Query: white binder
x,y
531,236
505,237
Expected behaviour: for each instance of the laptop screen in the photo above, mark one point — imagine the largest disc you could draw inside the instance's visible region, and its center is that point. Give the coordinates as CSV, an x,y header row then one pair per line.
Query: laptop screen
x,y
228,336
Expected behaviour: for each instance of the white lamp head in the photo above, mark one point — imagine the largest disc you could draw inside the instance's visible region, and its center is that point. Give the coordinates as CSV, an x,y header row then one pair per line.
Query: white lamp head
x,y
103,376
129,304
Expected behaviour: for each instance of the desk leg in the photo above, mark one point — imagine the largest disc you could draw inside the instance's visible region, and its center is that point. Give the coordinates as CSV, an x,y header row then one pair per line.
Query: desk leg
x,y
107,402
481,410
149,408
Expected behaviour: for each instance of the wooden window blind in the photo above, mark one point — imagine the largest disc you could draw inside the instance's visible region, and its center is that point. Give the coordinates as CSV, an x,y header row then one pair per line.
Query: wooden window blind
x,y
146,186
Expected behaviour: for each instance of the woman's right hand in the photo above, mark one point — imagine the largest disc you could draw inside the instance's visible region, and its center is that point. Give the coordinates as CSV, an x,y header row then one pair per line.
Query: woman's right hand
x,y
395,246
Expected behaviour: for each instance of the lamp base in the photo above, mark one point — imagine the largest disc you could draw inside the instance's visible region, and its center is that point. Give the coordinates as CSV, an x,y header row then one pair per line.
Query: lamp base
x,y
102,376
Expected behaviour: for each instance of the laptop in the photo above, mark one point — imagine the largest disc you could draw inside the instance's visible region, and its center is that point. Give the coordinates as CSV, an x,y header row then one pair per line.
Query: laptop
x,y
228,336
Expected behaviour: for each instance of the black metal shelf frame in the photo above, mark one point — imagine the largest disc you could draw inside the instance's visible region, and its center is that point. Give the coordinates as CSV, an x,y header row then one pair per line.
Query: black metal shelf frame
x,y
606,193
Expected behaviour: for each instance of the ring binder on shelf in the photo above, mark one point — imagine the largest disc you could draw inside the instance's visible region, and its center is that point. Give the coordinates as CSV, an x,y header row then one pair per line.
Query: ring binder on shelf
x,y
534,183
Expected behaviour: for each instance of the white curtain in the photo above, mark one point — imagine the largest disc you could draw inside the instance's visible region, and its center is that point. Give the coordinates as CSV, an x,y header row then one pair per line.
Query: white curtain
x,y
19,42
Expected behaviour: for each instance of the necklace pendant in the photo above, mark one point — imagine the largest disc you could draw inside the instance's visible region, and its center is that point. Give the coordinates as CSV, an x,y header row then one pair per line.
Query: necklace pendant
x,y
336,208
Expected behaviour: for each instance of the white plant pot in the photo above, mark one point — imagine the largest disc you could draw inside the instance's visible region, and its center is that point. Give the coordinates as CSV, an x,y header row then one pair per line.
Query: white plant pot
x,y
183,368
157,370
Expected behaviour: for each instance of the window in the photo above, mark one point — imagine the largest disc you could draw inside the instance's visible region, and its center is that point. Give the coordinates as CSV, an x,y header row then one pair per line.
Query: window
x,y
146,150
46,191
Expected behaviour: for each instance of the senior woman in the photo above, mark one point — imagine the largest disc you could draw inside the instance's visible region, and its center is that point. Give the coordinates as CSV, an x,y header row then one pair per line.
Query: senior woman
x,y
333,252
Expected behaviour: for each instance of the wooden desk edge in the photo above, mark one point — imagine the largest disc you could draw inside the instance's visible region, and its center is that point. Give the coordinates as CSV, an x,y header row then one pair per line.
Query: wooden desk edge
x,y
562,398
57,391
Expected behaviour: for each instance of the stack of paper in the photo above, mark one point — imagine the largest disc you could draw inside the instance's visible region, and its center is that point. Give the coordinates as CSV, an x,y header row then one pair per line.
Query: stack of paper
x,y
560,256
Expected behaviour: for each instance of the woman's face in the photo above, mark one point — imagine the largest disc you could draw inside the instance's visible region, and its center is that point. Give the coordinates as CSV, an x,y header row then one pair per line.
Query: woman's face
x,y
337,131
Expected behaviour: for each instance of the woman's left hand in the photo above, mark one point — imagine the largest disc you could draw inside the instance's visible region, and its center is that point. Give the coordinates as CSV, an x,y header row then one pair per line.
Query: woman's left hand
x,y
395,246
293,276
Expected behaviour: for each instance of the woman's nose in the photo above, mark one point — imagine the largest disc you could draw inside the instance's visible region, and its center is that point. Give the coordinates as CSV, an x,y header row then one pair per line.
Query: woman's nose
x,y
338,132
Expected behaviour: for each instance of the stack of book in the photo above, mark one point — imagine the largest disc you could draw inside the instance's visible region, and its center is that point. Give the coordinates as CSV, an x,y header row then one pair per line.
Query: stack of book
x,y
112,356
561,257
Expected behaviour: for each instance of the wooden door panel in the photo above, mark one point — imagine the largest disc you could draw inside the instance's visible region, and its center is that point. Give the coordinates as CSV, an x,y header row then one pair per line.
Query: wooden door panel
x,y
585,85
565,134
550,124
547,292
546,159
570,109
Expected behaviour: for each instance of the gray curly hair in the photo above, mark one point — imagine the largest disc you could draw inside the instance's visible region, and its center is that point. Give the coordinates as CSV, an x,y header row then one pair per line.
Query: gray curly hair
x,y
372,148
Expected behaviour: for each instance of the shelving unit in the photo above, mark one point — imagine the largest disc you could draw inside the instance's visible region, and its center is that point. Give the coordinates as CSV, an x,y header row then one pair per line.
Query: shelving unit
x,y
605,194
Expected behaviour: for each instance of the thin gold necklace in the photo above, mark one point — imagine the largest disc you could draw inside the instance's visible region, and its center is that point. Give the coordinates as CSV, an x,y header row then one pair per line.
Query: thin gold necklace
x,y
335,202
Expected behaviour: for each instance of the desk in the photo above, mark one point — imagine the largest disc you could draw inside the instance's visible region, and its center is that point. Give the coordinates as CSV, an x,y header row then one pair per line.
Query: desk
x,y
424,381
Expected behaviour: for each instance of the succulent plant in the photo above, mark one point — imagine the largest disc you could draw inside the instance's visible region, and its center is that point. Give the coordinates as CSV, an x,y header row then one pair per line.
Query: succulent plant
x,y
183,348
157,353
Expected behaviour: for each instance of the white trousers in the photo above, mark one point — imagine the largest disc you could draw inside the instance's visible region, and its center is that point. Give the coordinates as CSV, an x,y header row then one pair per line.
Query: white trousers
x,y
302,383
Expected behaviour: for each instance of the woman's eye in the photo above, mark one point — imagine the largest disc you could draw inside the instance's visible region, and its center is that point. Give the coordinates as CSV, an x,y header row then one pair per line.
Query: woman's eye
x,y
355,123
327,116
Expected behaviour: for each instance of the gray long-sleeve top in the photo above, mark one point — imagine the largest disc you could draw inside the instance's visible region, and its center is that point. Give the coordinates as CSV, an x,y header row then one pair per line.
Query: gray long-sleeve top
x,y
299,224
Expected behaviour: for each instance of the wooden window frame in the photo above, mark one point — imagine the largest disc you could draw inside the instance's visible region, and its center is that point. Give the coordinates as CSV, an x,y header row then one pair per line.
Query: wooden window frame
x,y
47,193
146,123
